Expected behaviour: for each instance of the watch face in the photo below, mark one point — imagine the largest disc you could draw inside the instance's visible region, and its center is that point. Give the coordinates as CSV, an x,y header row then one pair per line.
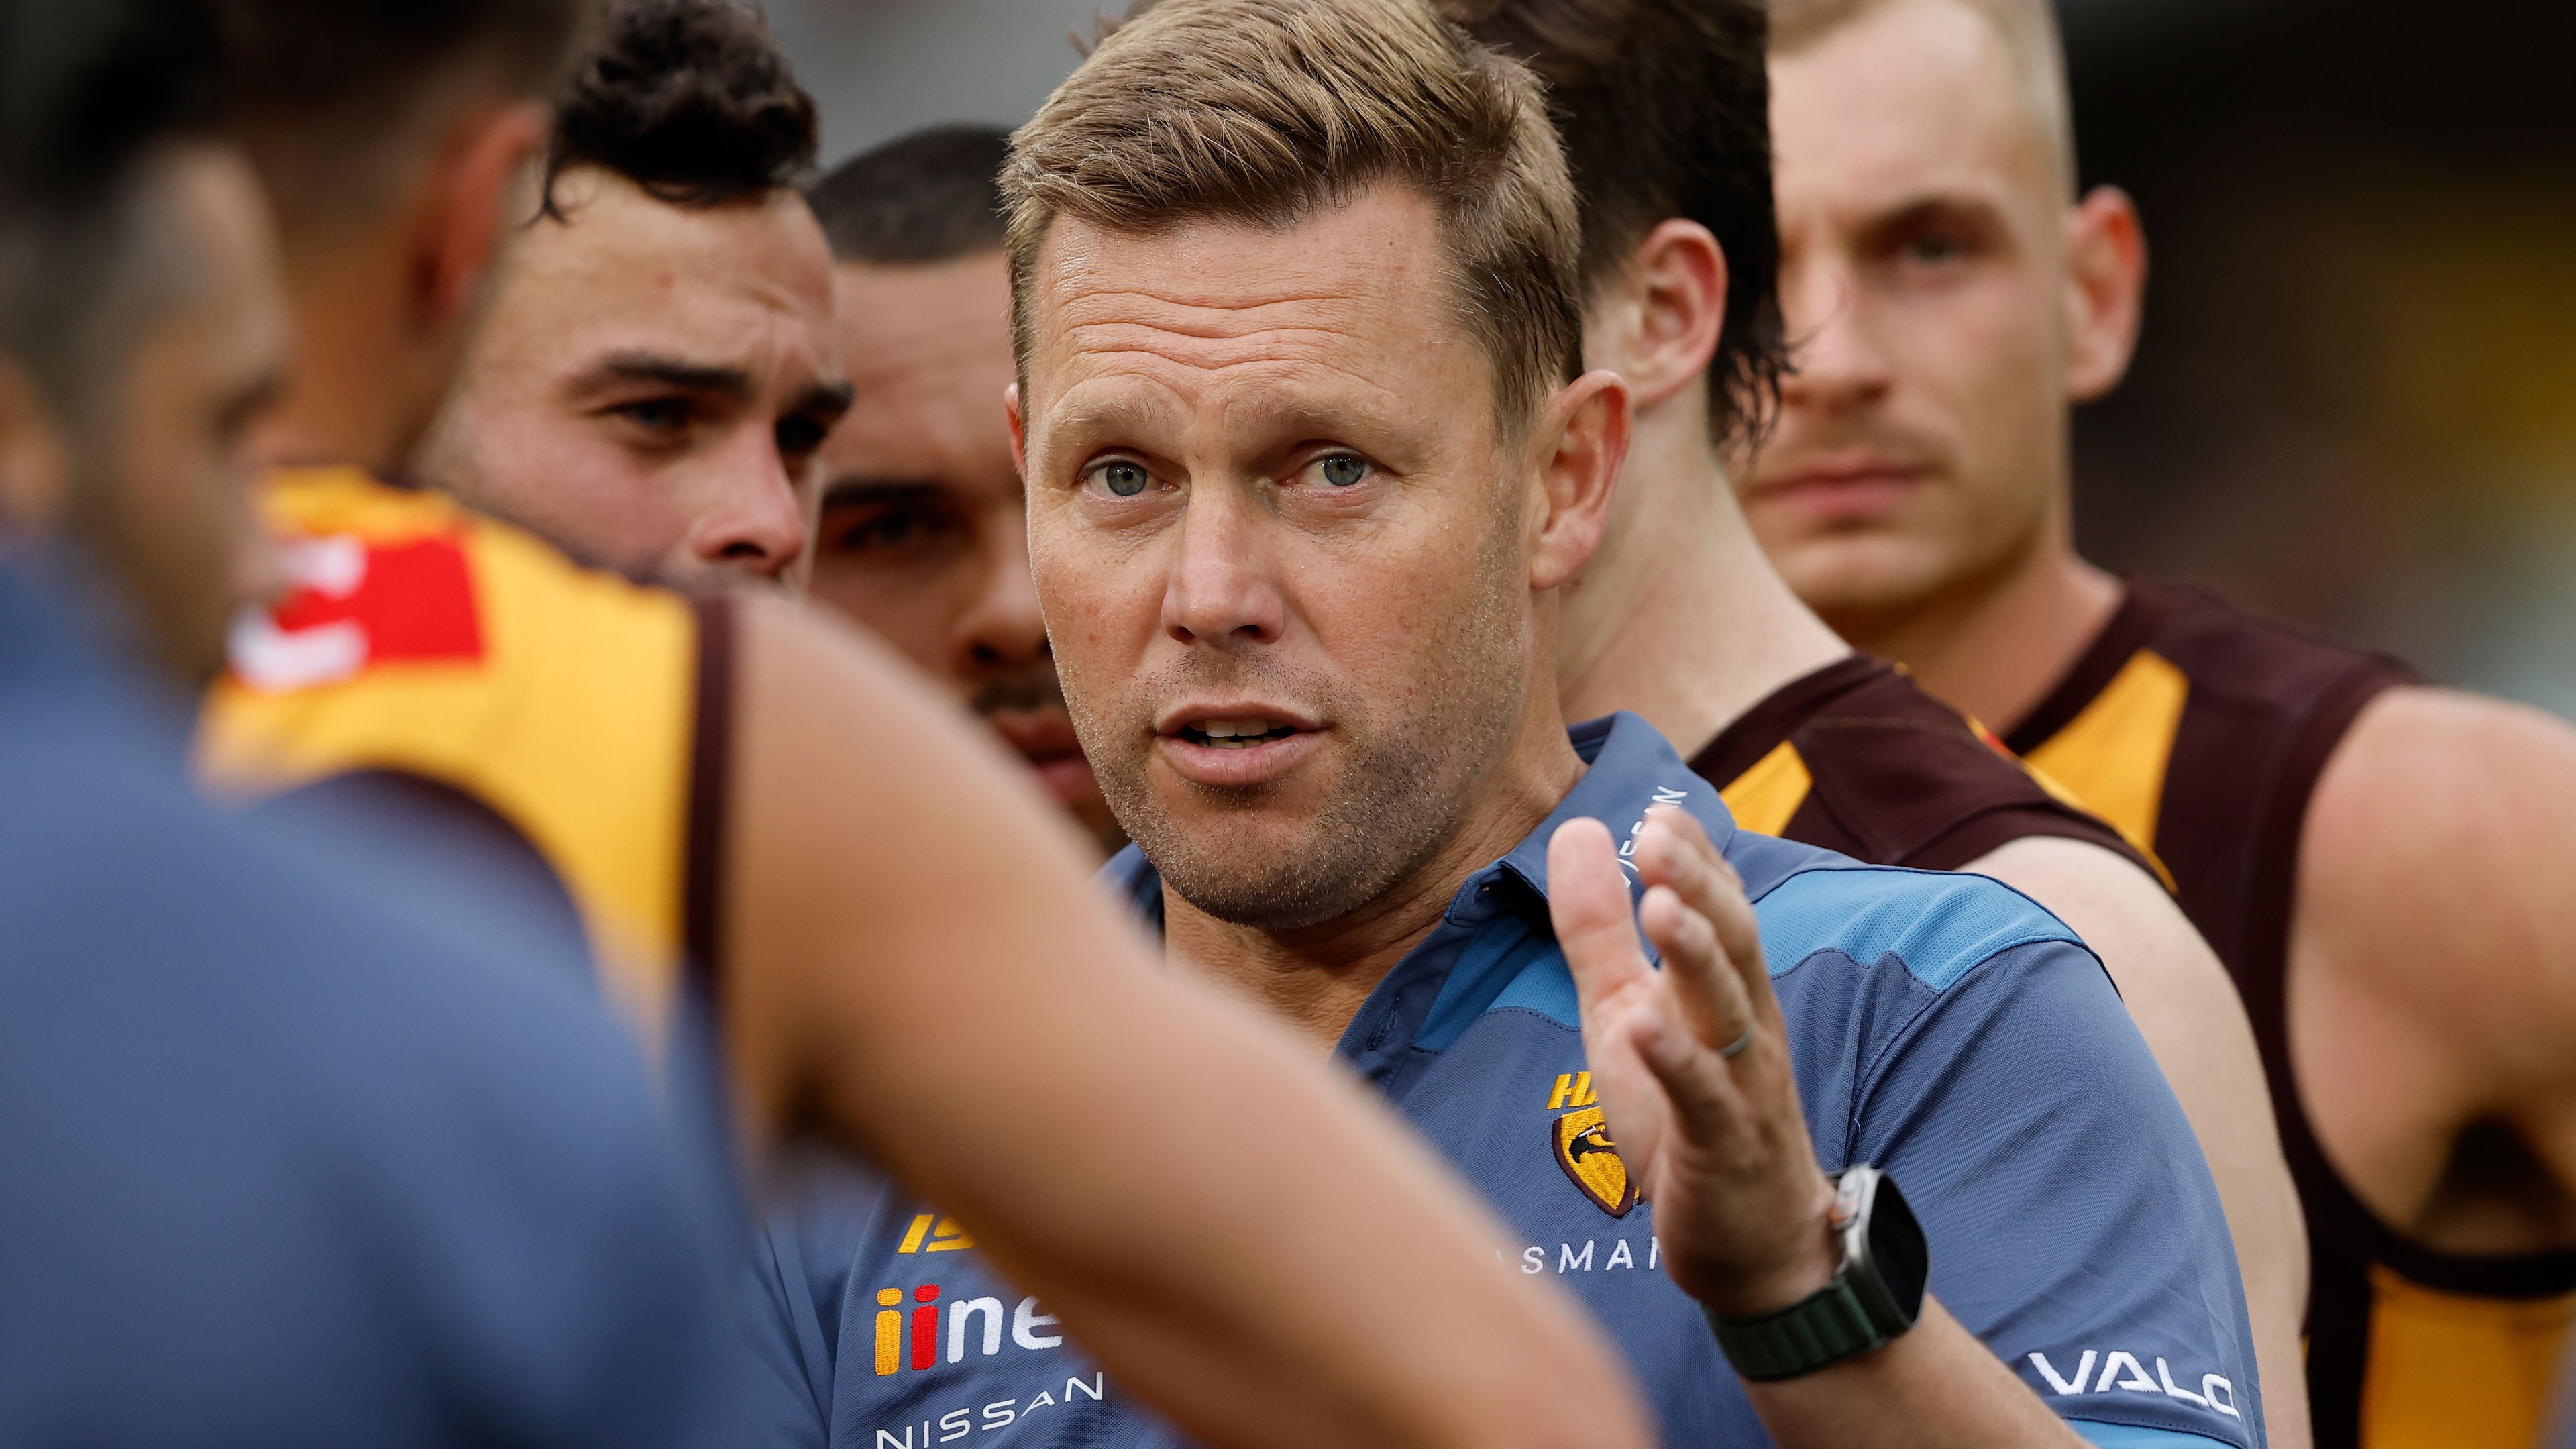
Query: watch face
x,y
1897,1249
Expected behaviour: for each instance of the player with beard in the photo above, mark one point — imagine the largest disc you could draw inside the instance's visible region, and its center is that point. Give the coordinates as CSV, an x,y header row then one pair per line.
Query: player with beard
x,y
2380,864
1310,455
1663,106
924,534
747,809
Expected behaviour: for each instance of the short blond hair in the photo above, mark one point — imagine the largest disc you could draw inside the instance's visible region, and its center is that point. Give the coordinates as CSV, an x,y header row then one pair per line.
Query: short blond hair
x,y
1264,111
2031,40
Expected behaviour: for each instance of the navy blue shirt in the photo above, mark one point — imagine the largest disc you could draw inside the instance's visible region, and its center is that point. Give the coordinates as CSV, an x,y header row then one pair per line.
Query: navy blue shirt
x,y
1943,1026
284,1160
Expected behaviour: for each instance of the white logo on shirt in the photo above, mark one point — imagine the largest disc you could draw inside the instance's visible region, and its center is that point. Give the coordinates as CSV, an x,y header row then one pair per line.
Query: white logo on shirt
x,y
2122,1370
1664,795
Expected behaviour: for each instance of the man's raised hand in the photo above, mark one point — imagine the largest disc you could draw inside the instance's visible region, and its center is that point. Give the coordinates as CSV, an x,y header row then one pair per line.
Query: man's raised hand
x,y
1692,1062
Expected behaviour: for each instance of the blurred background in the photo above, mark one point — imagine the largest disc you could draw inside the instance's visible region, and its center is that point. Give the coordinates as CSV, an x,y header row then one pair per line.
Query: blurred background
x,y
2355,405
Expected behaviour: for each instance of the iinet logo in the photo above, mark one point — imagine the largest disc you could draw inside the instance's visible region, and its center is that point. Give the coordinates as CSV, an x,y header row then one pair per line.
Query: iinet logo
x,y
973,1323
2122,1370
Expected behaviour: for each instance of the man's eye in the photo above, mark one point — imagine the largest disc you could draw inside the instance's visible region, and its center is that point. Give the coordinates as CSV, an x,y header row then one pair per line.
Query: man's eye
x,y
1935,249
890,532
899,531
658,415
798,437
1123,479
1342,470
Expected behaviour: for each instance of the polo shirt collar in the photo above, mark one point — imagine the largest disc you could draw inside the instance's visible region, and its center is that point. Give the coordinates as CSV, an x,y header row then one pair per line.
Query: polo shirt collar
x,y
1632,769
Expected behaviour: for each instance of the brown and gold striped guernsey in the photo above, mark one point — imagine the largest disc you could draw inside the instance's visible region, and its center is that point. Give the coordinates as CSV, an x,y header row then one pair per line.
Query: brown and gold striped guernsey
x,y
2204,730
1858,759
578,717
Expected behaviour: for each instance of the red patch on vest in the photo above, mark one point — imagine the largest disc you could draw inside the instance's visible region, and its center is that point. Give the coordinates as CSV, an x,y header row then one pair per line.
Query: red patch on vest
x,y
356,605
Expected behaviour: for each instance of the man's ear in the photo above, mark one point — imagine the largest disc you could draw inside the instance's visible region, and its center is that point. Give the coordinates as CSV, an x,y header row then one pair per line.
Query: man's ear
x,y
2106,267
35,458
1657,323
1019,431
1581,440
473,179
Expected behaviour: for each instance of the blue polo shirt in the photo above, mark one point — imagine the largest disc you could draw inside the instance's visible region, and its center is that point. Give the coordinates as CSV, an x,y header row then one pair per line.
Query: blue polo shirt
x,y
1943,1027
297,1153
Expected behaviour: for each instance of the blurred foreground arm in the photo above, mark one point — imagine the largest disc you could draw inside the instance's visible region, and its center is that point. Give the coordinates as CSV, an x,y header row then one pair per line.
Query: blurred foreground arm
x,y
917,964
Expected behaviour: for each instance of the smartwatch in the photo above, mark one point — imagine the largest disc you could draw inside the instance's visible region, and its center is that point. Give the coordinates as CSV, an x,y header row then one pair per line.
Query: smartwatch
x,y
1872,1301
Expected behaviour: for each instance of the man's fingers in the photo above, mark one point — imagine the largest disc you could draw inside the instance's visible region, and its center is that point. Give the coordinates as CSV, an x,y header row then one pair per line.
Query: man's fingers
x,y
1587,899
1673,850
1707,1107
1706,986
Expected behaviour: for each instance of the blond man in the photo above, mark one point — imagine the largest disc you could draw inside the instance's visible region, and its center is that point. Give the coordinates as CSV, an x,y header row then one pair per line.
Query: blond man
x,y
1310,456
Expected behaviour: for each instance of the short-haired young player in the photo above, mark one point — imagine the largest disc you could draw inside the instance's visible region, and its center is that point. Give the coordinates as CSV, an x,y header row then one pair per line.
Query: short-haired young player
x,y
2379,863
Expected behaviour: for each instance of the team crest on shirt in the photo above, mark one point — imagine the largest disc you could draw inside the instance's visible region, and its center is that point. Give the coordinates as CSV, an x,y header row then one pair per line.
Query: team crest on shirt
x,y
1581,1142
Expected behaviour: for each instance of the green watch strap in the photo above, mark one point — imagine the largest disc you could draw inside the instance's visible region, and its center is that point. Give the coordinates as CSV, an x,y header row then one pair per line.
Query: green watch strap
x,y
1828,1326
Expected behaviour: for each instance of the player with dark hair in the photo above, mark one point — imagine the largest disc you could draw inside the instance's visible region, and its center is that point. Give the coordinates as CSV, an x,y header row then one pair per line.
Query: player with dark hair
x,y
293,1156
658,369
2382,865
751,810
932,196
1664,109
923,533
690,102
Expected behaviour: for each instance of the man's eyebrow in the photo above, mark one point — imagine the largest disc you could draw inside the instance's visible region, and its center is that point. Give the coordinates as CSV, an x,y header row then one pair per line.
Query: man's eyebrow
x,y
1957,206
733,383
1107,416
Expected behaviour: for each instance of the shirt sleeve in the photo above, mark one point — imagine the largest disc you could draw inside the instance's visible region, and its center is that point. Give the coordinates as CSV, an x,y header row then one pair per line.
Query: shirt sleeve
x,y
2073,1223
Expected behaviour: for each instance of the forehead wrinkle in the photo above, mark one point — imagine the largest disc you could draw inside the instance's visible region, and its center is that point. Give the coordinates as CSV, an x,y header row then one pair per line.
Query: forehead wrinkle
x,y
1250,394
1301,352
1189,333
1210,313
1321,354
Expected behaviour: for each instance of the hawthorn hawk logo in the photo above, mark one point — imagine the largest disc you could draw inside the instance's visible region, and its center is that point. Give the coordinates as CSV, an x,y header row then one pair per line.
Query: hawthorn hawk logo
x,y
1581,1141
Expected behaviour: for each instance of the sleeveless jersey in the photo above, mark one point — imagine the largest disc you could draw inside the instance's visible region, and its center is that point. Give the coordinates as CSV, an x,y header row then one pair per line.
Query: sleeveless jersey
x,y
2204,730
1857,759
428,644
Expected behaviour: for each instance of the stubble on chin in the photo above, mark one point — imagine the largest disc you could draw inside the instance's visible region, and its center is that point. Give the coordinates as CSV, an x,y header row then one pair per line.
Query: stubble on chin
x,y
1400,789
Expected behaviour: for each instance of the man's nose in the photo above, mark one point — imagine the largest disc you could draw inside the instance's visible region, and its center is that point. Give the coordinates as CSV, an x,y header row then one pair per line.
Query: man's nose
x,y
1833,333
1220,591
753,520
1001,630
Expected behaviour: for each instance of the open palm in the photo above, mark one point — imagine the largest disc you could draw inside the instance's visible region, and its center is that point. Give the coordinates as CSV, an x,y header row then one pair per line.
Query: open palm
x,y
1692,1062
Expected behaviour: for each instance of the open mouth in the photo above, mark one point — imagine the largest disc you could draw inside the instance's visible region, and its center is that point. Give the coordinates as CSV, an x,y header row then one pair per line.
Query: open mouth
x,y
1234,734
